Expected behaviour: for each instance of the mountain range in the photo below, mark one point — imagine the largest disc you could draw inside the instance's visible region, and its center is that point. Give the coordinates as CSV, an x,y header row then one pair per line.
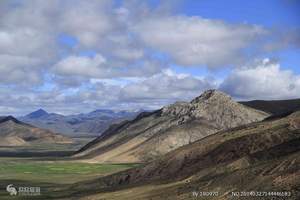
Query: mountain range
x,y
16,133
89,124
237,149
210,144
153,134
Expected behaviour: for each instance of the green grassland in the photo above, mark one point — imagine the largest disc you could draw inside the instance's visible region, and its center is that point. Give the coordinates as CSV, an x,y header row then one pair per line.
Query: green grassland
x,y
49,167
50,175
54,171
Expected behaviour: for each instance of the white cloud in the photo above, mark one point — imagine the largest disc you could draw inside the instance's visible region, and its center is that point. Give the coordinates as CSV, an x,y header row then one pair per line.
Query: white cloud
x,y
89,21
98,67
30,29
148,93
195,40
27,41
262,80
166,87
18,69
27,29
81,66
130,42
122,35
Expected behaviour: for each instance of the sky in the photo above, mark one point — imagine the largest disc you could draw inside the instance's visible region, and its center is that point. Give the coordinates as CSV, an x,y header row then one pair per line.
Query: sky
x,y
75,56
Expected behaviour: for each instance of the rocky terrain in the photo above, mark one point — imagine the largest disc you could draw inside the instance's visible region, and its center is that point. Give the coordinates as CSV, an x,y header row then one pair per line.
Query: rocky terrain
x,y
153,134
261,157
16,133
89,124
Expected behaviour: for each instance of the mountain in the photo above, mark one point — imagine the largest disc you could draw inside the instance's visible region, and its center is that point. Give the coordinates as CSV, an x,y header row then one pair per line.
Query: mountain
x,y
89,124
153,134
275,107
260,157
16,133
37,114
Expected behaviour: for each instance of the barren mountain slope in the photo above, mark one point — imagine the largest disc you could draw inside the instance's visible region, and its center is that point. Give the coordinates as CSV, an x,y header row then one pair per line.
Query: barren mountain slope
x,y
260,157
151,135
16,133
276,107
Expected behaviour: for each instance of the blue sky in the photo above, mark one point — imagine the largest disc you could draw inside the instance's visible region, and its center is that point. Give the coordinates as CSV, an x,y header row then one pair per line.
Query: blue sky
x,y
268,12
77,56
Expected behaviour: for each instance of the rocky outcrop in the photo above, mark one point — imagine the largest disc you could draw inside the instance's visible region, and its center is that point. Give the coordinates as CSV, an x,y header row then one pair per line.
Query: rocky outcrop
x,y
215,106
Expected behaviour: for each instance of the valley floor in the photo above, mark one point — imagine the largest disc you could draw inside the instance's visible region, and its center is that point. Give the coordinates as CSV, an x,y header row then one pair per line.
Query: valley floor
x,y
50,174
49,168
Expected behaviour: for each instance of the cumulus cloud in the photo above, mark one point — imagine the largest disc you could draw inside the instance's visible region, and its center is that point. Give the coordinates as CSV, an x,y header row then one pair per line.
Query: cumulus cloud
x,y
166,87
197,41
81,66
262,80
30,30
100,26
132,45
18,69
89,21
125,35
283,39
148,93
27,41
98,67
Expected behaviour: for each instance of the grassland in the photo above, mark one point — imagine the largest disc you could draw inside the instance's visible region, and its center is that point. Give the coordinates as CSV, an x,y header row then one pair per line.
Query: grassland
x,y
52,171
50,174
48,167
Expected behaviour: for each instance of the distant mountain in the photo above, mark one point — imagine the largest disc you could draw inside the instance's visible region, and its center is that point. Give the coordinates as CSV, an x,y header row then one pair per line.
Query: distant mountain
x,y
37,114
153,134
275,107
89,124
259,157
9,118
16,133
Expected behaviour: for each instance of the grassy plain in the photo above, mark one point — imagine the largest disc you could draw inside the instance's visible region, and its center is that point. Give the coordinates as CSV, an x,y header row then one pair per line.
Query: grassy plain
x,y
50,168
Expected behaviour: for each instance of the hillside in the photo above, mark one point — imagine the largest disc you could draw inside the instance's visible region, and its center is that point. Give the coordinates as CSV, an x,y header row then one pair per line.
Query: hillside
x,y
260,157
275,107
16,133
151,135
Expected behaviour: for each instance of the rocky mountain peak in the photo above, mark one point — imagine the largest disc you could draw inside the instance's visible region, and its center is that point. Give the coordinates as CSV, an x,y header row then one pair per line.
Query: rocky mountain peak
x,y
209,98
212,95
216,106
